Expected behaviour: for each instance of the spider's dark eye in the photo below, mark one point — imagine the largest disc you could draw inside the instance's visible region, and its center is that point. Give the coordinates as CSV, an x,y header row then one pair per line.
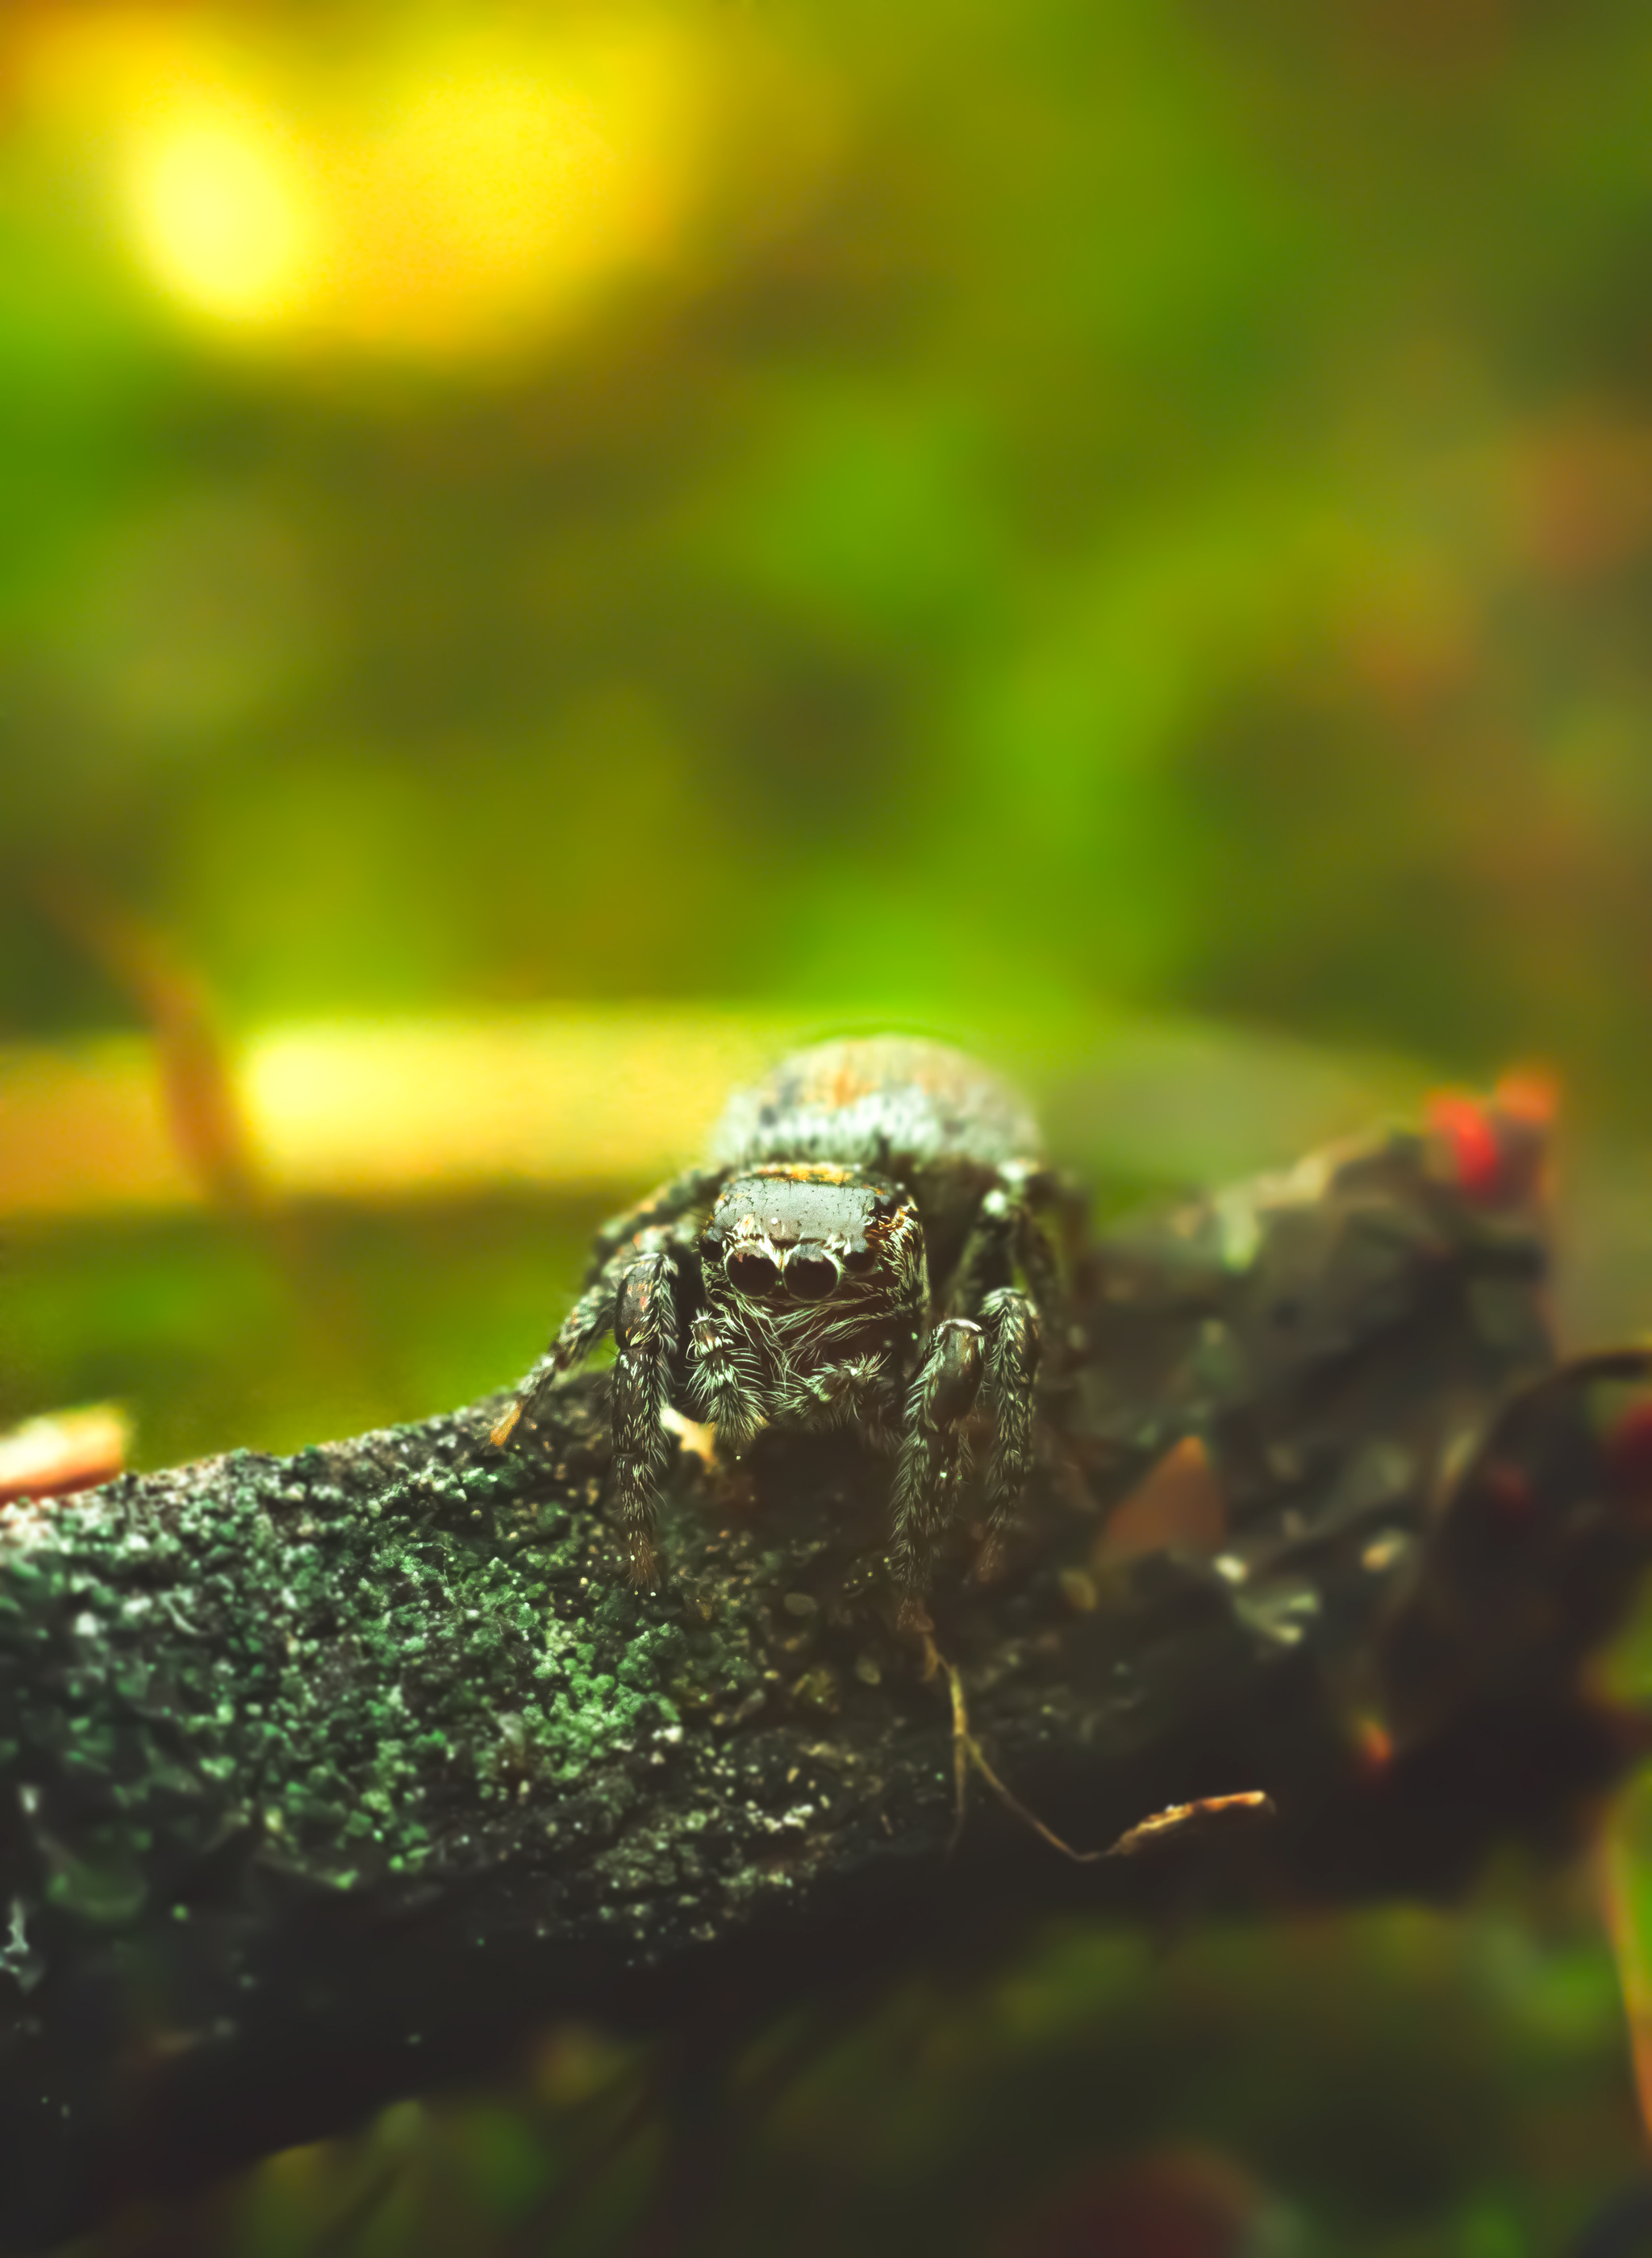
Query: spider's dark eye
x,y
752,1270
811,1273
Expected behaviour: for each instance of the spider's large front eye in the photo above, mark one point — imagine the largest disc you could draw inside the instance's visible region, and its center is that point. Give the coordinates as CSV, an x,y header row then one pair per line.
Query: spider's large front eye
x,y
811,1273
752,1270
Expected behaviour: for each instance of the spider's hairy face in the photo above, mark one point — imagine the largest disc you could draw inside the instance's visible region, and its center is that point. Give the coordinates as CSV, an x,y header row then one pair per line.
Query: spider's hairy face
x,y
811,1261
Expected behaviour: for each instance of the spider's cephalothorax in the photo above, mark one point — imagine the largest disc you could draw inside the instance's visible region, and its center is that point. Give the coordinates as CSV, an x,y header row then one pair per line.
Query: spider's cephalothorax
x,y
862,1250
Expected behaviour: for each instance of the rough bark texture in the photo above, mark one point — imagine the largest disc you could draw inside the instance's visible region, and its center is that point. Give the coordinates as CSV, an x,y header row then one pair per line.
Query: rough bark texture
x,y
326,1779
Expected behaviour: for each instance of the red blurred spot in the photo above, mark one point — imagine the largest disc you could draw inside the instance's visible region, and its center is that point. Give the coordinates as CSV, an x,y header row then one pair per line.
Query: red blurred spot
x,y
1508,1491
1179,2204
1464,1126
1629,1450
1375,1744
1495,1151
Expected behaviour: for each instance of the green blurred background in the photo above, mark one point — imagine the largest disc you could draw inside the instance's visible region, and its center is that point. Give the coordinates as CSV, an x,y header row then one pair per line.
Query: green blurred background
x,y
1130,504
1119,533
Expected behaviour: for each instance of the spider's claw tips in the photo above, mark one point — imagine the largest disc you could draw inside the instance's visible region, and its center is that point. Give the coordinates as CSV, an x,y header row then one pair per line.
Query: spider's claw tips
x,y
644,1574
503,1429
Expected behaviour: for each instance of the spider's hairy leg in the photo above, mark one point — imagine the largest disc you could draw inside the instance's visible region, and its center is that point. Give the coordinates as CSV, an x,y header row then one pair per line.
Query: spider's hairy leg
x,y
1037,1259
927,1478
589,1319
590,1316
1009,1322
1050,1192
645,1329
1007,1237
696,1187
988,1260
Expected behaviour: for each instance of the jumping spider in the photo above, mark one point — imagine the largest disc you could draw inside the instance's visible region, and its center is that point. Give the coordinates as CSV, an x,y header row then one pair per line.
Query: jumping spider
x,y
863,1250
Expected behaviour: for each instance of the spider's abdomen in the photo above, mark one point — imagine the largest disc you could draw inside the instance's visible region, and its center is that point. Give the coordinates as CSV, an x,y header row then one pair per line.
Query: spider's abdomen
x,y
903,1108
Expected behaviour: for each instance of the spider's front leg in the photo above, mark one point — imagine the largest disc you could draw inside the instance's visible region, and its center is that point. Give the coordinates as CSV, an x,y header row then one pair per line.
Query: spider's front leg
x,y
591,1318
1008,1242
646,1328
588,1322
927,1477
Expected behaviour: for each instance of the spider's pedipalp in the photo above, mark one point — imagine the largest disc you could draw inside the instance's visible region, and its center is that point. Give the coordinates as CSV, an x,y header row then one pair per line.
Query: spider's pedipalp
x,y
857,1393
718,1392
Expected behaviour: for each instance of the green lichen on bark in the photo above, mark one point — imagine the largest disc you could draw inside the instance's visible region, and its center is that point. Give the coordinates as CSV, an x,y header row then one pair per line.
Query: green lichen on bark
x,y
390,1658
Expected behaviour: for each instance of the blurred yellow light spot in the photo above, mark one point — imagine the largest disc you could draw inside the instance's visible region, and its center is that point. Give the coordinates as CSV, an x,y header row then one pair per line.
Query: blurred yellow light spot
x,y
495,192
448,184
220,218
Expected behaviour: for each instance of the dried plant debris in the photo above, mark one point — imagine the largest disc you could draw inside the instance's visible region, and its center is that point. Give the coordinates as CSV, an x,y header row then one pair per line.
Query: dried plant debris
x,y
327,1777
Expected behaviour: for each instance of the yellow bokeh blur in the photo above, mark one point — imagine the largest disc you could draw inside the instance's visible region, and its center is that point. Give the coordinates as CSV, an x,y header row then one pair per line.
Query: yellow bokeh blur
x,y
222,215
437,192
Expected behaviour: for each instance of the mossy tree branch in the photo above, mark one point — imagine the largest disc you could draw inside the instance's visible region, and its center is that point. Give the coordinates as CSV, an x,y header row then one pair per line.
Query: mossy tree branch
x,y
326,1779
